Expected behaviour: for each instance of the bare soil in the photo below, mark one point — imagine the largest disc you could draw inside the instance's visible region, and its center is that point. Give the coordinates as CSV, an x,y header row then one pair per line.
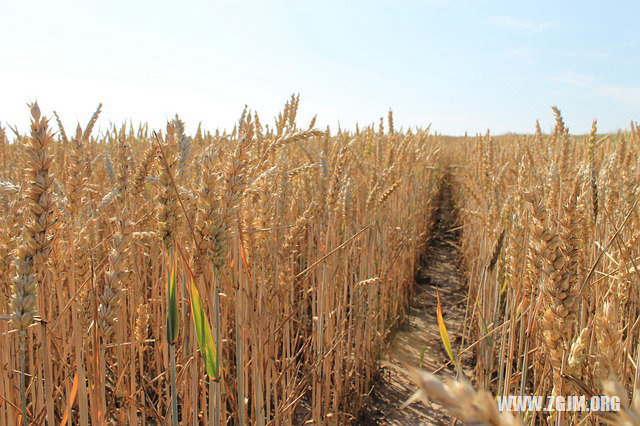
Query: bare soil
x,y
419,333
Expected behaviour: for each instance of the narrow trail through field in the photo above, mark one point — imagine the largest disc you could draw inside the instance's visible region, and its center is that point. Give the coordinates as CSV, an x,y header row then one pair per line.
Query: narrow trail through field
x,y
419,333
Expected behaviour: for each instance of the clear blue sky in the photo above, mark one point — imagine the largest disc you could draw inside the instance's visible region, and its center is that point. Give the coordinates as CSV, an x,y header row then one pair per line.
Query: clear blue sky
x,y
462,65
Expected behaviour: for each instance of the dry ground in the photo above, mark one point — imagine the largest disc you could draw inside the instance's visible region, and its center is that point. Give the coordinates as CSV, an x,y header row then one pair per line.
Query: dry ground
x,y
440,269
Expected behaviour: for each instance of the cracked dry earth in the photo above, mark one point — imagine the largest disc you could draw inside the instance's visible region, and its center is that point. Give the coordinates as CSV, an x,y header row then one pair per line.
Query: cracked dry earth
x,y
440,269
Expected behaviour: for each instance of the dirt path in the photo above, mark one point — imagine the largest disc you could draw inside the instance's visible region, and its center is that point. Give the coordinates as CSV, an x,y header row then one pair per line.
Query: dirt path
x,y
419,333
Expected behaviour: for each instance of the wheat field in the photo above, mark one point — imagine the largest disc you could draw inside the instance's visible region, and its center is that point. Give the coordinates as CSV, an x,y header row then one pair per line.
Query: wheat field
x,y
301,245
550,250
254,276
